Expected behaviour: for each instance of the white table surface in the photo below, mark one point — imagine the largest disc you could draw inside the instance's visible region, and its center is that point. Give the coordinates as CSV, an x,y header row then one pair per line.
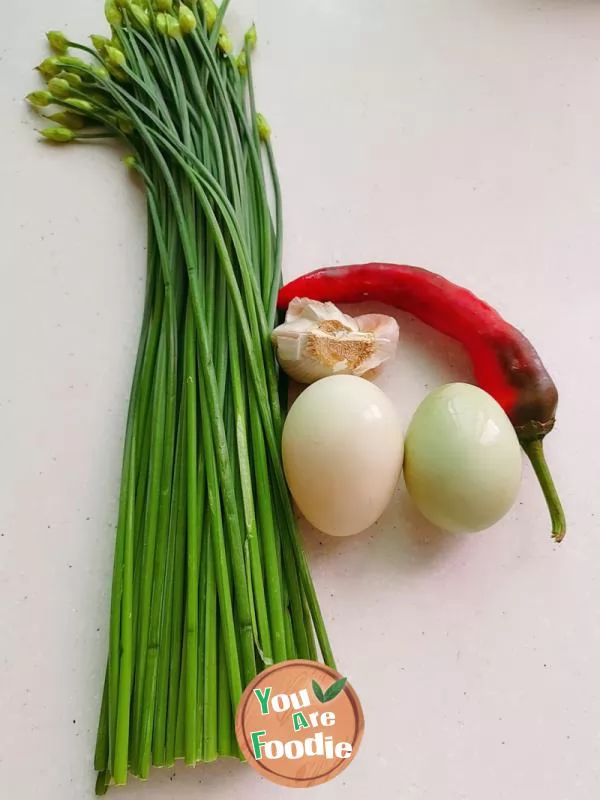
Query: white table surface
x,y
461,136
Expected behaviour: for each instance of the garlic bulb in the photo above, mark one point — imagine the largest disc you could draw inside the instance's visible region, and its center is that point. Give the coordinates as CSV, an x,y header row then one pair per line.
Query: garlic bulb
x,y
317,340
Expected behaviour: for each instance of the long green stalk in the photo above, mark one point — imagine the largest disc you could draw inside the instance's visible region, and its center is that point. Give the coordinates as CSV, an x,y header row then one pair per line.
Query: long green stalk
x,y
209,744
203,589
180,528
164,504
210,582
223,708
149,544
159,742
193,540
126,651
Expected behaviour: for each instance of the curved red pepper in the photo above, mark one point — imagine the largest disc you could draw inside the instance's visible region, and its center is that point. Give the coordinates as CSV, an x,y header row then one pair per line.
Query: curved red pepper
x,y
505,362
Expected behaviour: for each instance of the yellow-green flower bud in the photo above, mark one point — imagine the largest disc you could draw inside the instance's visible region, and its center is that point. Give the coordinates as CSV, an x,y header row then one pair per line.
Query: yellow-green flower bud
x,y
211,13
100,72
112,13
173,28
264,129
242,63
122,3
71,78
161,23
164,5
57,41
187,19
59,87
68,119
70,61
100,43
250,37
140,16
114,57
49,67
117,73
40,99
61,135
99,99
225,41
81,105
130,162
125,126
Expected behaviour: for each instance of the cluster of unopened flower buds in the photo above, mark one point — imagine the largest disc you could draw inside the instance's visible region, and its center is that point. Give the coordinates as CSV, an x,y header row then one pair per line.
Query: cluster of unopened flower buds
x,y
79,87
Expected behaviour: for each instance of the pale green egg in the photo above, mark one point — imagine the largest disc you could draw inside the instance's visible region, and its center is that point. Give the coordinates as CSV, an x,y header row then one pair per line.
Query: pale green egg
x,y
462,462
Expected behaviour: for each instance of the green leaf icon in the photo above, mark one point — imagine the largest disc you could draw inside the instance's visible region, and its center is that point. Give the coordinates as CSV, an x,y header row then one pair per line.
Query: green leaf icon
x,y
318,692
335,689
331,693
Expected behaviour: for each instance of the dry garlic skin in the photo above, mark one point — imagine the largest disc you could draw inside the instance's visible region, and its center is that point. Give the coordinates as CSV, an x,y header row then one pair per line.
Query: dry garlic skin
x,y
342,453
463,462
318,340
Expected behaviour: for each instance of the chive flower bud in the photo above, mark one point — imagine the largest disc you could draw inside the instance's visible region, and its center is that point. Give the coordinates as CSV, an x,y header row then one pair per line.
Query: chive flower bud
x,y
124,124
100,43
114,57
81,105
130,162
250,37
242,63
210,13
71,78
187,19
49,67
99,99
68,119
264,129
71,61
112,13
100,72
225,41
61,135
140,16
164,5
59,87
57,41
173,27
40,99
161,23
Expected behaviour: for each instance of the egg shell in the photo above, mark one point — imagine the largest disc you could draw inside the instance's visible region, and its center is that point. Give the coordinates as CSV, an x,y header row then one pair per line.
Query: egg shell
x,y
463,461
342,453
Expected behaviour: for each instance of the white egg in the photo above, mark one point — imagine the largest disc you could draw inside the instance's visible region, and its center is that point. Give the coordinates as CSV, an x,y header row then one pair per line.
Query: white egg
x,y
463,462
342,453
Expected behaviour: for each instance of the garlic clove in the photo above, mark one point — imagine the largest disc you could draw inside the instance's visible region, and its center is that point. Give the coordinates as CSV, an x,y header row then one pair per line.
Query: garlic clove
x,y
307,311
387,333
317,340
381,325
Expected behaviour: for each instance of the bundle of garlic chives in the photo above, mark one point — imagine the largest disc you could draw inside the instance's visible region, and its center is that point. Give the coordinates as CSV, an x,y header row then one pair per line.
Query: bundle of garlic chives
x,y
210,581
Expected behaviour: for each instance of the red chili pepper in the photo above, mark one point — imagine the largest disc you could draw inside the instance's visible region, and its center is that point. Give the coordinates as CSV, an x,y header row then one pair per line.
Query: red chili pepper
x,y
505,363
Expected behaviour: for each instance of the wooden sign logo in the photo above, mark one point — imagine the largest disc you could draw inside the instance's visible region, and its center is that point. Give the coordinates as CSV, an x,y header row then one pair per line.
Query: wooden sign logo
x,y
299,723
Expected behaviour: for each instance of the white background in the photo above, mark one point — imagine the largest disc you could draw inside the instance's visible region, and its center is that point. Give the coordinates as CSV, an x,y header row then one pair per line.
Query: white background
x,y
463,136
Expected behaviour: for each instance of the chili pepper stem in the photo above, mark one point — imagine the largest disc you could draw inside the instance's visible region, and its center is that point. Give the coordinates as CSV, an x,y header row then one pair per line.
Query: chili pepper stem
x,y
534,448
